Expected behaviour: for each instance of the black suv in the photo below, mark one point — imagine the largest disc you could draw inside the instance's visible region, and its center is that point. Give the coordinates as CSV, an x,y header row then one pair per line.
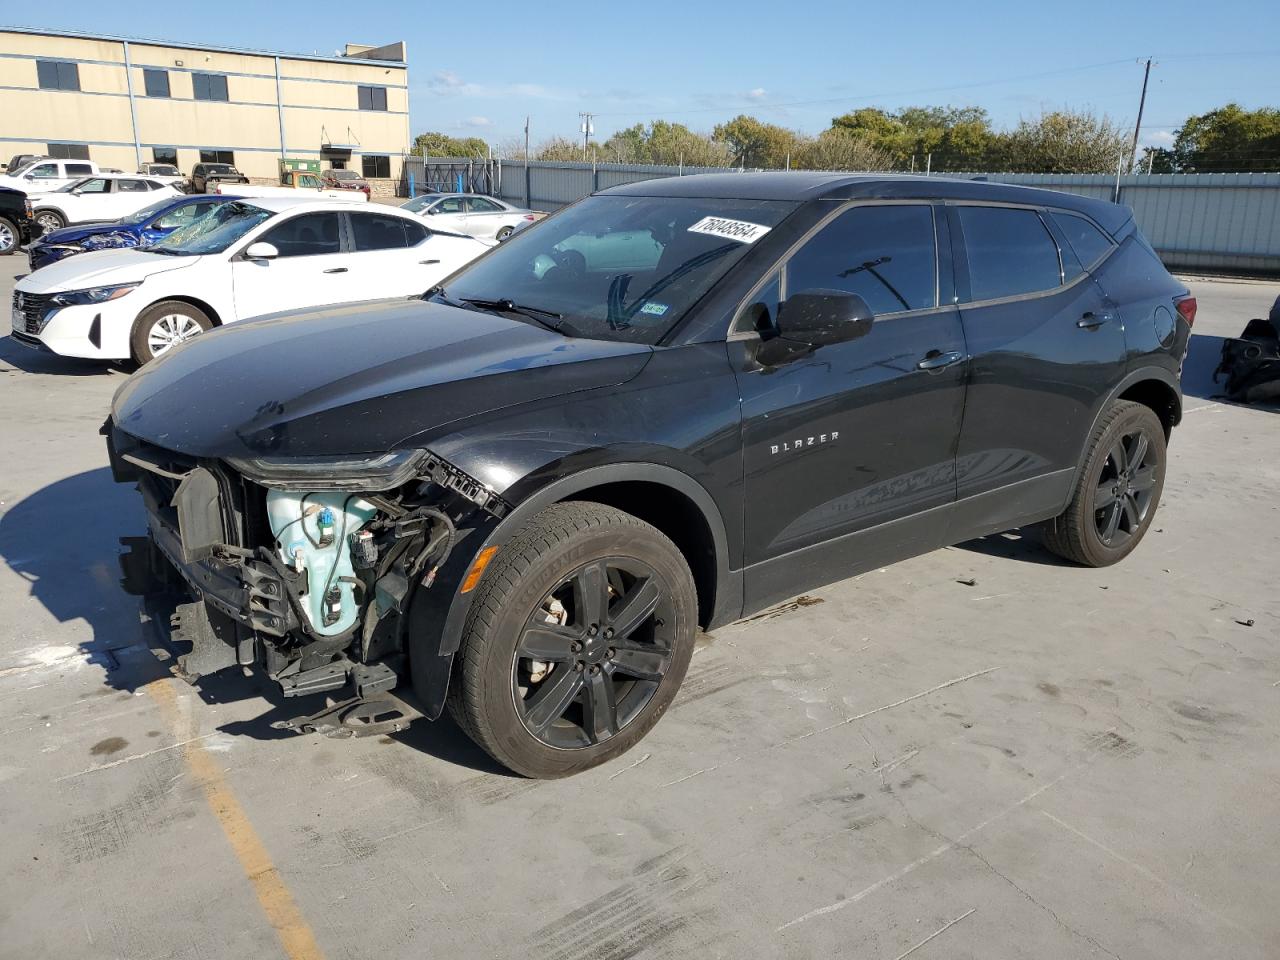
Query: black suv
x,y
666,407
17,228
205,176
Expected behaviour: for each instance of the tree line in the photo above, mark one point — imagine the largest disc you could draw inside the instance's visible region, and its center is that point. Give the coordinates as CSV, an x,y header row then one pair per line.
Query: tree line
x,y
961,139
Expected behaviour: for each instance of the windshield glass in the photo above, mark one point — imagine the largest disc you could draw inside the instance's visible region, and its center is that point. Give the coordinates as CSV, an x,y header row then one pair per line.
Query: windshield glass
x,y
161,170
146,213
213,232
344,175
620,268
219,168
417,204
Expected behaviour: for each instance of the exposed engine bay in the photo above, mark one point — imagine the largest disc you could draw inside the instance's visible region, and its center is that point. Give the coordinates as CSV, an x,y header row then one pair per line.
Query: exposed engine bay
x,y
312,586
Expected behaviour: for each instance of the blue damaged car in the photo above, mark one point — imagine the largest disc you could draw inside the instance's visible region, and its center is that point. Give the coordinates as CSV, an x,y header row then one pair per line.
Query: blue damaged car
x,y
136,230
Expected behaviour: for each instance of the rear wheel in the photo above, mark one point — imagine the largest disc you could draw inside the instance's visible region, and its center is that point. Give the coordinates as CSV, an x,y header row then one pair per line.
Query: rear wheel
x,y
1117,491
163,326
50,220
505,232
8,236
577,642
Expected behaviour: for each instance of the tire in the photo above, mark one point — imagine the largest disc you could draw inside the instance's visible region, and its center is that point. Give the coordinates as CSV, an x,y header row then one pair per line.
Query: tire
x,y
173,316
1117,491
504,233
50,220
588,707
10,238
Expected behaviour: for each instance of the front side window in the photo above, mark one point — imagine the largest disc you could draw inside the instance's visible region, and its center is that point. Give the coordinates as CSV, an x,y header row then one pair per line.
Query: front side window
x,y
156,82
451,205
1010,252
309,235
372,98
309,180
225,225
373,231
43,171
209,86
165,155
885,254
58,75
620,267
376,166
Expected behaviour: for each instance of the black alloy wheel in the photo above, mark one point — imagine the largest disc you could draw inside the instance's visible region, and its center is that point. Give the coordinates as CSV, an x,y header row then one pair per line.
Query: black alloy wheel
x,y
593,653
1125,488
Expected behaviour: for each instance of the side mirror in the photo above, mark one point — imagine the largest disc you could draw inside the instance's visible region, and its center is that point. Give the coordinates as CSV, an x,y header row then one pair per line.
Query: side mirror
x,y
431,211
261,250
30,178
822,317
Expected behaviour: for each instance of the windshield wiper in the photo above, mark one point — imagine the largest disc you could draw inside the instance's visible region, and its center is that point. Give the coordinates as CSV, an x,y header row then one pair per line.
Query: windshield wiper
x,y
506,305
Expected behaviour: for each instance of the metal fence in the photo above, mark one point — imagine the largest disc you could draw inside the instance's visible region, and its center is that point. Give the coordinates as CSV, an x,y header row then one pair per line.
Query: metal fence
x,y
1224,222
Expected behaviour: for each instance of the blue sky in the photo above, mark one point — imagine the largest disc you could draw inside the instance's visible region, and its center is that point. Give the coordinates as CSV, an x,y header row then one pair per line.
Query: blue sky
x,y
479,68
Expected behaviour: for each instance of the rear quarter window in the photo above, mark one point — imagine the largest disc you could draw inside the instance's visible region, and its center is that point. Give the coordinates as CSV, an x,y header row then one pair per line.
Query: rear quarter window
x,y
1010,252
1089,243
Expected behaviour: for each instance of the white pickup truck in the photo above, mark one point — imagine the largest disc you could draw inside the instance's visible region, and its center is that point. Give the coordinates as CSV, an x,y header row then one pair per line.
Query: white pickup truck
x,y
293,183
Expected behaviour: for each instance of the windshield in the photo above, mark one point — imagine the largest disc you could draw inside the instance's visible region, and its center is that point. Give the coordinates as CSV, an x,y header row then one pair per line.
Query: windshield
x,y
146,213
620,268
344,175
161,170
417,204
219,168
213,232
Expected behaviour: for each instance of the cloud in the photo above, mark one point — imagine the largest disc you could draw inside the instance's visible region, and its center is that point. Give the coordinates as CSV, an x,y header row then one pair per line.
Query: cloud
x,y
477,122
446,83
756,94
1158,138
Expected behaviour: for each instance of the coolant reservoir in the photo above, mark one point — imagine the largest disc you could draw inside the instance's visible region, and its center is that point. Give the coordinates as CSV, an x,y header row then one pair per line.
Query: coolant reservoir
x,y
312,530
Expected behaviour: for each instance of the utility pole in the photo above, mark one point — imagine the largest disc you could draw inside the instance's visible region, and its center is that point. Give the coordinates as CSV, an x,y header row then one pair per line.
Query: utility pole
x,y
526,141
1142,102
587,130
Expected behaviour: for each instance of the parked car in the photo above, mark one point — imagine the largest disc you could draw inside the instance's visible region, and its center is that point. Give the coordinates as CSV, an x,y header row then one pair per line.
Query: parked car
x,y
472,214
347,180
166,173
204,176
525,493
43,176
17,227
139,229
292,182
242,259
20,160
101,199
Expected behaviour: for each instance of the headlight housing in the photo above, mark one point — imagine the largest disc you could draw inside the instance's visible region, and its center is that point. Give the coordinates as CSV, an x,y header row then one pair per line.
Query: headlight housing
x,y
362,472
73,298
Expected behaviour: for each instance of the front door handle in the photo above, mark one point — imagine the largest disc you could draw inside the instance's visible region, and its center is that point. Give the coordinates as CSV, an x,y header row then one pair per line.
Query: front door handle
x,y
935,360
336,270
428,262
1091,320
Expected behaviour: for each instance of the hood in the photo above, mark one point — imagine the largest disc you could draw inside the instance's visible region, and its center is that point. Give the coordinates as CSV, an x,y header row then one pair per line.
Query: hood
x,y
101,268
358,378
76,234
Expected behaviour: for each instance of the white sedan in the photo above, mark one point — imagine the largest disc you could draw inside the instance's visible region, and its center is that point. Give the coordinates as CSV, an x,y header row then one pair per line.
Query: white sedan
x,y
246,258
472,214
104,198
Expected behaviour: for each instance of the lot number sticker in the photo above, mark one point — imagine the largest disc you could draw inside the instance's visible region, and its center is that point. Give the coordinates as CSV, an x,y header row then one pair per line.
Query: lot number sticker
x,y
739,230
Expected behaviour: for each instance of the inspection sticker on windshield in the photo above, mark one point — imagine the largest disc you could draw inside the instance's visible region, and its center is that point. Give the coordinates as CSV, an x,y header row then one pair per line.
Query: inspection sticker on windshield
x,y
739,230
655,309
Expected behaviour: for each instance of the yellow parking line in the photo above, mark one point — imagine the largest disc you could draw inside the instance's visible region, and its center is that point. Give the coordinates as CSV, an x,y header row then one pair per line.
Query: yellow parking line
x,y
273,896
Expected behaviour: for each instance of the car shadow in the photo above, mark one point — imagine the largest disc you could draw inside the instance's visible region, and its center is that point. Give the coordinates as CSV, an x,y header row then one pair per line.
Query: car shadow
x,y
33,360
1203,355
1024,545
63,540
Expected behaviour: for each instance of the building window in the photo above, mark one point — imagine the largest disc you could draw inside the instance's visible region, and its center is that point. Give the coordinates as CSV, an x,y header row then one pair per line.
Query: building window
x,y
69,151
58,75
167,155
218,156
157,82
209,86
376,165
373,98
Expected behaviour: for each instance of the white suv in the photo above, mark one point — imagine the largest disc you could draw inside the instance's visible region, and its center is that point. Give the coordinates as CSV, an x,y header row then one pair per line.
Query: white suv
x,y
101,199
243,259
41,176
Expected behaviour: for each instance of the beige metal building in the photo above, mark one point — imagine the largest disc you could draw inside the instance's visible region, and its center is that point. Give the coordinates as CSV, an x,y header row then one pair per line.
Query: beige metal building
x,y
122,102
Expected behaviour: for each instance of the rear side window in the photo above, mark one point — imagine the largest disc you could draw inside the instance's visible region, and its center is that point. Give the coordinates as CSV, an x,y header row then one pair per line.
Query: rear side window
x,y
1010,251
306,236
885,254
373,231
1088,242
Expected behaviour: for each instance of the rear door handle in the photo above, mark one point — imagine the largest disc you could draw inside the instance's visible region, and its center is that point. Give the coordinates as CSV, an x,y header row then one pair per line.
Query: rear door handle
x,y
934,360
336,270
1091,320
428,262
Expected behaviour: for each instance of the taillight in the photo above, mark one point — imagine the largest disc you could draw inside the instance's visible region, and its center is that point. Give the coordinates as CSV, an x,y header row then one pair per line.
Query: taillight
x,y
529,216
1187,308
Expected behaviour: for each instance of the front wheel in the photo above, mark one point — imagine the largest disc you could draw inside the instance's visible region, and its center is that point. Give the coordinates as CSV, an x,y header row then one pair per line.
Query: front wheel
x,y
50,220
577,641
8,236
1117,490
163,326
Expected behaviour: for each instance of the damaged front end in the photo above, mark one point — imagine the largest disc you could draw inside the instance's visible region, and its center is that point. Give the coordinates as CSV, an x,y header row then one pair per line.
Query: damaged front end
x,y
1250,363
307,569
